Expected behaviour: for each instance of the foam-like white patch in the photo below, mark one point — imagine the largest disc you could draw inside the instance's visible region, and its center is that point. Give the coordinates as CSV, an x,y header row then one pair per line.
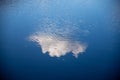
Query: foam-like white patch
x,y
57,46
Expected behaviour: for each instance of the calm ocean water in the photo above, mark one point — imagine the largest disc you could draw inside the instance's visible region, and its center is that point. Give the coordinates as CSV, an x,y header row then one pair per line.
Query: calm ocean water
x,y
97,25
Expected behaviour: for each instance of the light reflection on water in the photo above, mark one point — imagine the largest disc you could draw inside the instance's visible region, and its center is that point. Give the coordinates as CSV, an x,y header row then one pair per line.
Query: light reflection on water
x,y
93,22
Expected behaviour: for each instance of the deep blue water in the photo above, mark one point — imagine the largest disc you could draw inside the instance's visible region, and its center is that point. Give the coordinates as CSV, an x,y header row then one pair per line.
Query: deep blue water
x,y
24,60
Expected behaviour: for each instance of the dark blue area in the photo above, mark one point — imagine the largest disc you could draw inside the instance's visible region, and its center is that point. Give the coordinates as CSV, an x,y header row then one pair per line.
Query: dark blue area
x,y
22,59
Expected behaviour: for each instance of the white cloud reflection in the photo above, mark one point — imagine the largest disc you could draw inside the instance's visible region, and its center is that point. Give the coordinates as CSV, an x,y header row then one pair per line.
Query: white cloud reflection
x,y
59,38
57,46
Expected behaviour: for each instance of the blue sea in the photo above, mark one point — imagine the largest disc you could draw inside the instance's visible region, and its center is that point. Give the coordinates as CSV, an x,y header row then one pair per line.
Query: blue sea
x,y
98,23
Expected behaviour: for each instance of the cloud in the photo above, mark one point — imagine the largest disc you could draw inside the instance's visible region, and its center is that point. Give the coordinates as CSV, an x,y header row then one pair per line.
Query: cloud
x,y
58,38
57,46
